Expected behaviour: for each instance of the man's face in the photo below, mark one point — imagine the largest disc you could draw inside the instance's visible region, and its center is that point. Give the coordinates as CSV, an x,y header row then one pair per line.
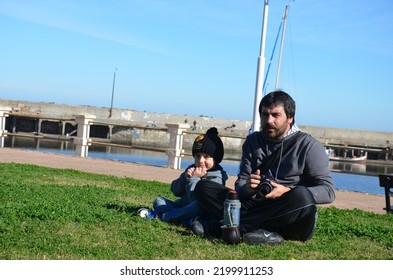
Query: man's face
x,y
274,122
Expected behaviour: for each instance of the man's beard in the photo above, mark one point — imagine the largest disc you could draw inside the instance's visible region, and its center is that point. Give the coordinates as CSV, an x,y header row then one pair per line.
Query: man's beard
x,y
274,133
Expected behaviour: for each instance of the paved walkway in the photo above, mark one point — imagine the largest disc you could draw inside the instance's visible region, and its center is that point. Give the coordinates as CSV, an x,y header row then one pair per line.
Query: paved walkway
x,y
344,199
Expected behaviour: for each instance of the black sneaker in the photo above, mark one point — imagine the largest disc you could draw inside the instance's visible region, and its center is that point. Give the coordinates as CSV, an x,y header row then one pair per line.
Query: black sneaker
x,y
261,236
197,228
206,228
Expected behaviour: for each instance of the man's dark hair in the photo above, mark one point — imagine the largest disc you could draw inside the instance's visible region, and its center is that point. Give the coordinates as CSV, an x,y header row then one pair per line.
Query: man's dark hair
x,y
276,98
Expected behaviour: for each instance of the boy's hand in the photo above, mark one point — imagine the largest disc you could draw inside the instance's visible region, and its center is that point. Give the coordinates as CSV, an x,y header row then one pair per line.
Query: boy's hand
x,y
199,172
190,171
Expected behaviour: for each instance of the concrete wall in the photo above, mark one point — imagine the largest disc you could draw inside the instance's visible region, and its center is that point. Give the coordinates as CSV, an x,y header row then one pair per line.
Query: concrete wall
x,y
55,110
350,136
238,128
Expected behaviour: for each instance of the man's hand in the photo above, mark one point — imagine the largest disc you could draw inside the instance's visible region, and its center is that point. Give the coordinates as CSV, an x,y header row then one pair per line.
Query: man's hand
x,y
278,191
254,180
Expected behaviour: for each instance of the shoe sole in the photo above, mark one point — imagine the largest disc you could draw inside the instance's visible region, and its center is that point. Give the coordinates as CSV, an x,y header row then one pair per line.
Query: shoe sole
x,y
257,240
143,212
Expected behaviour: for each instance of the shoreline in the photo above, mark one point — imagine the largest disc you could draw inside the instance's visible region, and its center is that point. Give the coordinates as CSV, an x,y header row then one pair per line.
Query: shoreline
x,y
344,199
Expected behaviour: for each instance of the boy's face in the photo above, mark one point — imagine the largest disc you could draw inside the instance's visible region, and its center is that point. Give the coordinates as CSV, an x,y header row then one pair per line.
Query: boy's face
x,y
204,161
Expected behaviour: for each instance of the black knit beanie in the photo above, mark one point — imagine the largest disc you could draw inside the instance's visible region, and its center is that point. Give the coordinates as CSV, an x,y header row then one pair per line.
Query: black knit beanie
x,y
209,144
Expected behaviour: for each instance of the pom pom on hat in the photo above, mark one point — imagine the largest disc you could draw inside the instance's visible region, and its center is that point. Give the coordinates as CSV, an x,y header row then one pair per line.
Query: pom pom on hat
x,y
209,144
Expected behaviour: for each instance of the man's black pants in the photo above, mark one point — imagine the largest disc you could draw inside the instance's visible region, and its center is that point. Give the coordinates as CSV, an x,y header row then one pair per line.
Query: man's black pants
x,y
293,215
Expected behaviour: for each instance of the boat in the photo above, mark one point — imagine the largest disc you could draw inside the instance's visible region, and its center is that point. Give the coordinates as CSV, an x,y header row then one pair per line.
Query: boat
x,y
333,157
348,159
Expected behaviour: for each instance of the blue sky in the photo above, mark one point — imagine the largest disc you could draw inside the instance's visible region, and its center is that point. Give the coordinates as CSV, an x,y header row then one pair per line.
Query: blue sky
x,y
200,57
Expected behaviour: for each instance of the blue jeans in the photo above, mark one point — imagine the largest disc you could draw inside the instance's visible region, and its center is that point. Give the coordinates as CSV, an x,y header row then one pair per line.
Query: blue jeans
x,y
175,211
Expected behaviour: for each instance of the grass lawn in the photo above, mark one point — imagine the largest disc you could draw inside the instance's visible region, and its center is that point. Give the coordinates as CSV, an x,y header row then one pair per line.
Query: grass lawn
x,y
60,214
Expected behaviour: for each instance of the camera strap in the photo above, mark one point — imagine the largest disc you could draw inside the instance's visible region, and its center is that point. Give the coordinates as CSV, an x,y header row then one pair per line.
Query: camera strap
x,y
272,158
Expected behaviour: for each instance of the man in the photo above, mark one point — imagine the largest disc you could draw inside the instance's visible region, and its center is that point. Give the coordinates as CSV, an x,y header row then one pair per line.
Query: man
x,y
292,163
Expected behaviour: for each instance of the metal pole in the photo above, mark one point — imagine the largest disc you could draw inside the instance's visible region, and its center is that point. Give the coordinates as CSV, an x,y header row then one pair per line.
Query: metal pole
x,y
284,18
113,91
256,123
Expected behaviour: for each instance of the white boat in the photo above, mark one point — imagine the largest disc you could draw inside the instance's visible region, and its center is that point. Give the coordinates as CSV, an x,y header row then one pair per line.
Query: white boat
x,y
348,159
333,157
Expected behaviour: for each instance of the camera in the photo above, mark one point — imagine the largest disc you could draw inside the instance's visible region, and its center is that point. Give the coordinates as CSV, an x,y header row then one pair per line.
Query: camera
x,y
265,187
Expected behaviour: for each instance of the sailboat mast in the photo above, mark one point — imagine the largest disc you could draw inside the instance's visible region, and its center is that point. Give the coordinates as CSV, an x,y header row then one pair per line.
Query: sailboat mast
x,y
284,18
256,123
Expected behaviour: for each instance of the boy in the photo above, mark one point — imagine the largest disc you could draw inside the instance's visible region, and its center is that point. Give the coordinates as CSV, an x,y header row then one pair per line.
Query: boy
x,y
208,152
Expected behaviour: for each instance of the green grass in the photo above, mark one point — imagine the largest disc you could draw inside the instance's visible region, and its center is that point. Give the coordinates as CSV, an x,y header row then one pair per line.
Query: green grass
x,y
62,214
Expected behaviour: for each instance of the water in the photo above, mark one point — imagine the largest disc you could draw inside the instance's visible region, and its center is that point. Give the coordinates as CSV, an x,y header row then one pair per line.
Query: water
x,y
343,181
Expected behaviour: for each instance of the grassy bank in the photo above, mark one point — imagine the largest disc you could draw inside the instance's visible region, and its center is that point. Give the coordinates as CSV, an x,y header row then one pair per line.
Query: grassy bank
x,y
64,214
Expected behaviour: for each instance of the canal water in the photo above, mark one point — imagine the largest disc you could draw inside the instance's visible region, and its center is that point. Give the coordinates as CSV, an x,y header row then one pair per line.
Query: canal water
x,y
358,177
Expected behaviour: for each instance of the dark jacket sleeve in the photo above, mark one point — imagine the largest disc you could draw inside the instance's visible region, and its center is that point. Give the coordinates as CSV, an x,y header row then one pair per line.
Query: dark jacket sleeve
x,y
247,164
317,169
179,186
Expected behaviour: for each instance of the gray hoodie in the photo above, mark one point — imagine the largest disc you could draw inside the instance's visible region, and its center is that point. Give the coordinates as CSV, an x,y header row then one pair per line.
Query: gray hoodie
x,y
305,163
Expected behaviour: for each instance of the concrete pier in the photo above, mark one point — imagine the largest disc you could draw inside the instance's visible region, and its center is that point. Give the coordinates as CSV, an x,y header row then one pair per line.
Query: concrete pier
x,y
145,129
